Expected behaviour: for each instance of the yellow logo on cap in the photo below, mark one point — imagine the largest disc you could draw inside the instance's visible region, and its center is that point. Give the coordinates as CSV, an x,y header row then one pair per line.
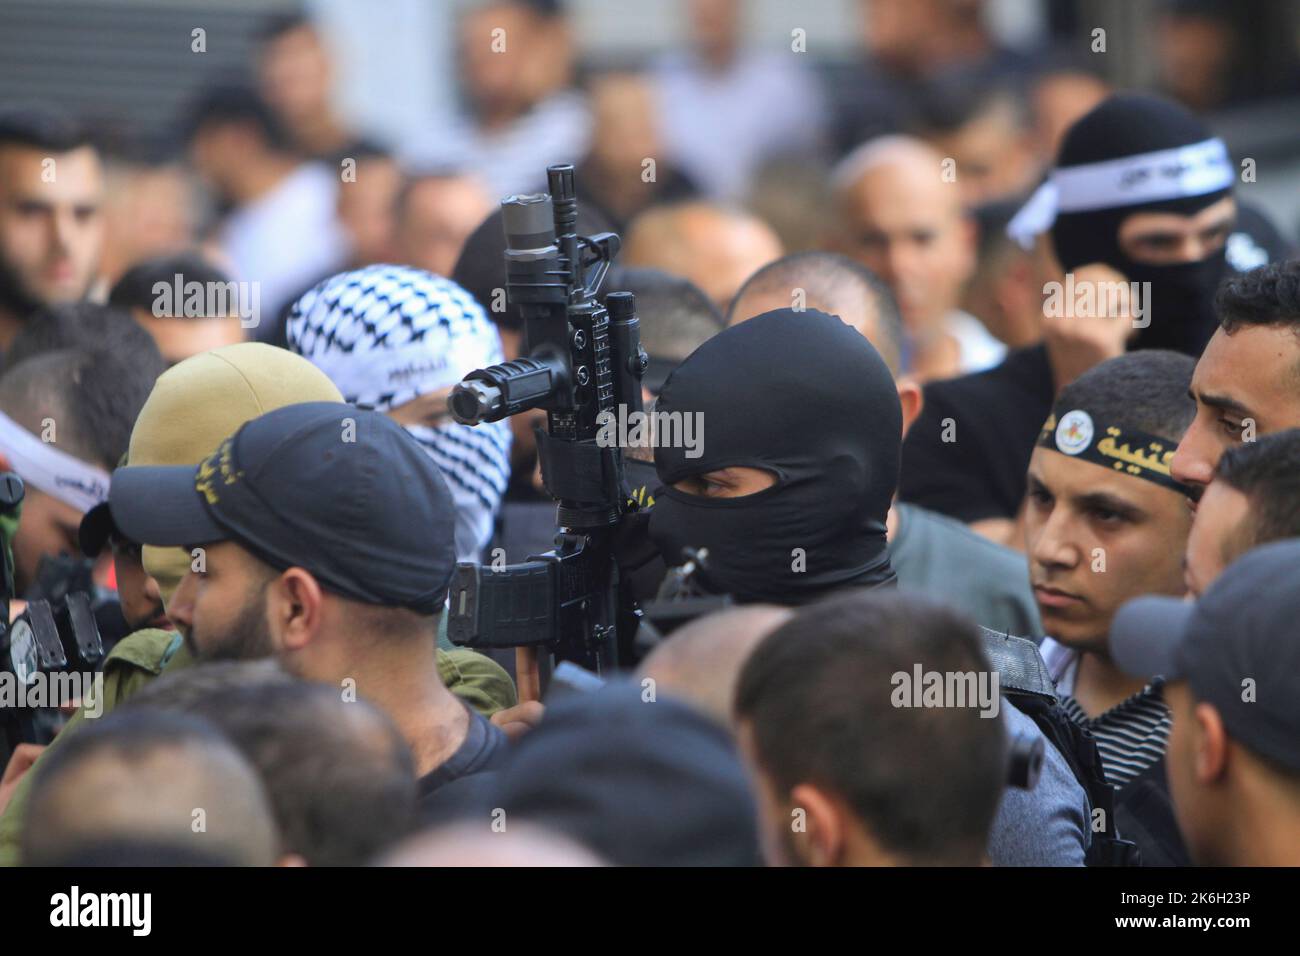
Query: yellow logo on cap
x,y
220,463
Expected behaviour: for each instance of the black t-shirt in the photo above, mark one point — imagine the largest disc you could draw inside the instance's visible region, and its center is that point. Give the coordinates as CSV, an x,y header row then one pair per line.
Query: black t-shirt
x,y
991,420
483,749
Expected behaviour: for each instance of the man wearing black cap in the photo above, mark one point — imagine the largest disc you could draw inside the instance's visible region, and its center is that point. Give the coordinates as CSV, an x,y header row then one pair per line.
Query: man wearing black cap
x,y
1141,194
1105,522
321,535
1232,666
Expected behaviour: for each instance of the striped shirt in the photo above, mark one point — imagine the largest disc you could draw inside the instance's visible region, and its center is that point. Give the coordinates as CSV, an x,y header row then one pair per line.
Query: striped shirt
x,y
1131,736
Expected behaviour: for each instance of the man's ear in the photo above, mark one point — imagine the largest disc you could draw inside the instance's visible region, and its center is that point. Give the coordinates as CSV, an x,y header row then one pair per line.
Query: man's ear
x,y
1211,745
822,842
911,398
295,605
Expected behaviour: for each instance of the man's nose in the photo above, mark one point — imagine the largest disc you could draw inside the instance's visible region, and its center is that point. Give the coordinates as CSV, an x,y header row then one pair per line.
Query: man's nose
x,y
1053,548
1196,457
180,609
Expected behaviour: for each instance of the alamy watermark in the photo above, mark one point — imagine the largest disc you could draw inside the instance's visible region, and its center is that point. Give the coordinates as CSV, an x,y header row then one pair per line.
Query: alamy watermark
x,y
922,688
634,429
208,300
38,689
1087,299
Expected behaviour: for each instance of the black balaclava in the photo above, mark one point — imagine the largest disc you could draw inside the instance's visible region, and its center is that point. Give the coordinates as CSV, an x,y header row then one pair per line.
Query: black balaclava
x,y
804,396
1130,125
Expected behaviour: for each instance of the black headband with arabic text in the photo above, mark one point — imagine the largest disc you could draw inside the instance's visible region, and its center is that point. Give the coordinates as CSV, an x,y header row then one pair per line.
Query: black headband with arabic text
x,y
1127,450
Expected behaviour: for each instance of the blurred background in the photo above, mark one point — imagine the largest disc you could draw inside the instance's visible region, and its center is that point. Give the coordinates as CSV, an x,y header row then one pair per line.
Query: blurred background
x,y
446,106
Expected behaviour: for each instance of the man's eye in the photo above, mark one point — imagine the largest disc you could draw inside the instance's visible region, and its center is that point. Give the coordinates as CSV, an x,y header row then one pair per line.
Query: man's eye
x,y
1107,516
1040,497
1230,427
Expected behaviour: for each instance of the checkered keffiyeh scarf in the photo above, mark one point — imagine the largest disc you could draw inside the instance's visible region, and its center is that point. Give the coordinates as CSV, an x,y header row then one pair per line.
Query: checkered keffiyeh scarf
x,y
388,334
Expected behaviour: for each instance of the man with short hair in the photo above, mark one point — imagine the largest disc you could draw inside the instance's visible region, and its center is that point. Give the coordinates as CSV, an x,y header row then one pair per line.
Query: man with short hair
x,y
984,125
846,775
716,247
82,325
524,111
1105,522
147,780
337,772
1253,499
281,230
321,535
701,661
149,290
902,219
295,75
1232,667
65,419
1245,383
435,212
51,221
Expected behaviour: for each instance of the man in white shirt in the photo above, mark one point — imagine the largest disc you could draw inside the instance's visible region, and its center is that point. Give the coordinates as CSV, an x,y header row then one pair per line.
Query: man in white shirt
x,y
281,231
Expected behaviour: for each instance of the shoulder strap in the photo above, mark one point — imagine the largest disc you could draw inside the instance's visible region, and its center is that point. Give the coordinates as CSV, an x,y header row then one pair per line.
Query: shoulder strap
x,y
1025,681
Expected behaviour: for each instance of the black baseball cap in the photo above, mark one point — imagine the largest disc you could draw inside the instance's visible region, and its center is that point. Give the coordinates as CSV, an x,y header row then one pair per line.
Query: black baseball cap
x,y
1242,628
344,493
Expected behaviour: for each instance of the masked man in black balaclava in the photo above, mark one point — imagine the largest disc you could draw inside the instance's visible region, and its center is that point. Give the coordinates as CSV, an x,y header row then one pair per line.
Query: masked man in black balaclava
x,y
789,489
1141,193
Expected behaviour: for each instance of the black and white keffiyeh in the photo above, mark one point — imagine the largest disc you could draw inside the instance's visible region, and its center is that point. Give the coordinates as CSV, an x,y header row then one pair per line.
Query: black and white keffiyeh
x,y
388,334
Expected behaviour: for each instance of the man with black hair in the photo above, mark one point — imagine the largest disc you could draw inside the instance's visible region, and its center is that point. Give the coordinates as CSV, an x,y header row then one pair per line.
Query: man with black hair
x,y
1106,522
147,290
154,777
1118,212
1253,499
278,226
517,65
615,174
840,782
51,222
65,421
337,772
1246,382
81,325
321,535
435,213
367,205
295,75
985,126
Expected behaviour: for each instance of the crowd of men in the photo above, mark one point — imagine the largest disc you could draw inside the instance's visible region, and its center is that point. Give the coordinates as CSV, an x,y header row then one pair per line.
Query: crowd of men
x,y
998,372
